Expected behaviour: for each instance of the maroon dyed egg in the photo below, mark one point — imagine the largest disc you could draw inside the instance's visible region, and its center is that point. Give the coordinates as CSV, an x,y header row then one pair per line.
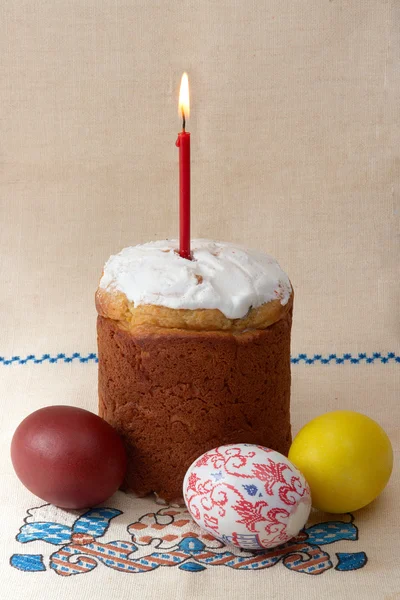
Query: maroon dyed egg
x,y
68,456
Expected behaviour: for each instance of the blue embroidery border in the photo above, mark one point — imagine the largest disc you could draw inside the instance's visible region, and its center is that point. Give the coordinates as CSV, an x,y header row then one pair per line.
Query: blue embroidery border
x,y
338,359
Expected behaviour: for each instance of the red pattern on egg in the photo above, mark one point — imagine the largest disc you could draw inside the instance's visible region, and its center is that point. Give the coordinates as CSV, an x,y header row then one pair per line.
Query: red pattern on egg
x,y
247,495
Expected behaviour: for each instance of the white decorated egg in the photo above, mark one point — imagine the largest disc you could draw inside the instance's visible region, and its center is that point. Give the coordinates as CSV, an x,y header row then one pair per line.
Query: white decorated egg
x,y
247,495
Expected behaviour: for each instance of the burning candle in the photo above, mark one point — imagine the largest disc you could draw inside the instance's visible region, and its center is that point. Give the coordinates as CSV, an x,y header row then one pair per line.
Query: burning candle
x,y
183,143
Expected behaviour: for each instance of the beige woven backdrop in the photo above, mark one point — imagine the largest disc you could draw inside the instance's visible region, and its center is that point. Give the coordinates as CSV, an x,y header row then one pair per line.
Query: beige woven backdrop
x,y
295,137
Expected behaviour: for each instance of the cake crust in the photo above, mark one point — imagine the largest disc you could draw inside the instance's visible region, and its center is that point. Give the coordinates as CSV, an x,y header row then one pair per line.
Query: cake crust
x,y
113,304
173,392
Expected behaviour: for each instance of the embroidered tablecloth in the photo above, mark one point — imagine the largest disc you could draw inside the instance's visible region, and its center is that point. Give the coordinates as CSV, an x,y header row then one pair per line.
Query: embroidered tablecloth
x,y
295,133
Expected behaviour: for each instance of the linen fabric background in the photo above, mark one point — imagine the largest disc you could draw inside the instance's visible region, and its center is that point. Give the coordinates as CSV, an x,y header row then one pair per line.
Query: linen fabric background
x,y
295,137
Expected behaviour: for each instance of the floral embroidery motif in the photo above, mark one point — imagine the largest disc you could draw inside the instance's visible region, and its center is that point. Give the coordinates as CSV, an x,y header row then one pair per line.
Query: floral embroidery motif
x,y
169,538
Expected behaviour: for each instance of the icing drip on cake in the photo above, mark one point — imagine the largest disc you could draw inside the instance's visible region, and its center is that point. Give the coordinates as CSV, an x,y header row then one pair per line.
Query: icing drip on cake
x,y
220,276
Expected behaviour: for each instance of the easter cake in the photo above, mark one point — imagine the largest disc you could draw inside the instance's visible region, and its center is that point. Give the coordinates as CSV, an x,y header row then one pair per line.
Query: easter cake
x,y
193,354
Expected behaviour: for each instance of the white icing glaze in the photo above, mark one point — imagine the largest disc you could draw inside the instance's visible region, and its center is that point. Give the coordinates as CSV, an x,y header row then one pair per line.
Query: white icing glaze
x,y
221,275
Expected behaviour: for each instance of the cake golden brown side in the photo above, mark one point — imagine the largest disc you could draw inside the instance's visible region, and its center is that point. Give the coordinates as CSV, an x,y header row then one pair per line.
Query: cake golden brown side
x,y
175,392
114,305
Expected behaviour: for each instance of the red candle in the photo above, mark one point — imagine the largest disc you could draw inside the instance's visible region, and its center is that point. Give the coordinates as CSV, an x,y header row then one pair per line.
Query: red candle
x,y
183,143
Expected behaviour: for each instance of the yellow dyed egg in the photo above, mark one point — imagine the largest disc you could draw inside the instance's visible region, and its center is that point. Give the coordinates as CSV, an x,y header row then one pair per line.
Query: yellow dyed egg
x,y
346,458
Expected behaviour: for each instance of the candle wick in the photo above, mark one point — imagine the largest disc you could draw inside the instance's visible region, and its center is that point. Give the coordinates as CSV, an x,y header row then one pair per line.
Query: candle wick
x,y
183,120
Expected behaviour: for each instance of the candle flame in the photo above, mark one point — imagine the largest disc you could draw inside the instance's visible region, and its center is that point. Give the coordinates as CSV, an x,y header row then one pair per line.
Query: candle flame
x,y
184,102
